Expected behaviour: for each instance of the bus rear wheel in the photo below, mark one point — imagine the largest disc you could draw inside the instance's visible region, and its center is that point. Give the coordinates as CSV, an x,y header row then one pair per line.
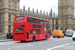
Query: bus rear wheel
x,y
45,37
33,39
22,41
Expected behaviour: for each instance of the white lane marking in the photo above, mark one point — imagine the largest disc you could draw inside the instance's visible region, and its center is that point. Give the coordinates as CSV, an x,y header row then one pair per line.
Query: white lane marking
x,y
8,48
52,41
6,43
40,43
21,46
57,46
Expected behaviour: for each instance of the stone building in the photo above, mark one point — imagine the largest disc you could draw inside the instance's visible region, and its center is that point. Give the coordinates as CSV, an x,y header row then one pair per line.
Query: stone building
x,y
10,8
66,14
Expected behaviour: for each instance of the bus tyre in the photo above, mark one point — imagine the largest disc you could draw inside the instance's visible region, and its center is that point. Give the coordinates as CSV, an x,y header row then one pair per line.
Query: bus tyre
x,y
33,39
22,41
45,37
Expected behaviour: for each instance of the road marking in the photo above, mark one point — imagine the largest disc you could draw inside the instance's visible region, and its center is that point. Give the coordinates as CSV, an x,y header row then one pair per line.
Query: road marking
x,y
6,43
40,43
21,46
58,46
8,48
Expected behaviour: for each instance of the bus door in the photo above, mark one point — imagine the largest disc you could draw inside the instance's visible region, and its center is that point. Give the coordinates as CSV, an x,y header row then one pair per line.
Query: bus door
x,y
39,34
48,33
45,31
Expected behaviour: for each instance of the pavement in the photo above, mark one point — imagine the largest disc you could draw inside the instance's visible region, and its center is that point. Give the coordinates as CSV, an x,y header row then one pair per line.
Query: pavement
x,y
5,40
65,43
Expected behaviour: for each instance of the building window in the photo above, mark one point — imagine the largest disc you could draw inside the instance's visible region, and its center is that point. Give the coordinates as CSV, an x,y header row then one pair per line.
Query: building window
x,y
9,28
15,6
1,3
56,27
9,5
1,17
61,28
53,23
1,28
9,17
56,21
15,15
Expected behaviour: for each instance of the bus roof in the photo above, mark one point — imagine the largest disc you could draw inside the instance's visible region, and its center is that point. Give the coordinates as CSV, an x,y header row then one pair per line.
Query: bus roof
x,y
32,17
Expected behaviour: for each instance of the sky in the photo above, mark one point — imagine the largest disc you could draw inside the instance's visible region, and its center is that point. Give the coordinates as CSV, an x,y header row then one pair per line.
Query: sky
x,y
44,5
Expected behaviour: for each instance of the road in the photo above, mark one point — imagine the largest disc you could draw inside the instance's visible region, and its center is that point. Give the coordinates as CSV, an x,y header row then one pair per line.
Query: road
x,y
65,43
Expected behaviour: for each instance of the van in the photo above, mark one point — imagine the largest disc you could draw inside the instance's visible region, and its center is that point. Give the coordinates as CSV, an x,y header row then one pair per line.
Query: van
x,y
69,32
58,33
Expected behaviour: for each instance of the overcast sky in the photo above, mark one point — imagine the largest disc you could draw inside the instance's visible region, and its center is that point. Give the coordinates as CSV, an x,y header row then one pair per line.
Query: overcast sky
x,y
44,5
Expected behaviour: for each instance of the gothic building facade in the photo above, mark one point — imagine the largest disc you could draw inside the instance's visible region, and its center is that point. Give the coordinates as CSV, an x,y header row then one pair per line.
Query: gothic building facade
x,y
10,8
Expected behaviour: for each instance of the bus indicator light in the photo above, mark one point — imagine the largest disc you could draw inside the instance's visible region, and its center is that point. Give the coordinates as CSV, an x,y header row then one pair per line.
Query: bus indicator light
x,y
18,25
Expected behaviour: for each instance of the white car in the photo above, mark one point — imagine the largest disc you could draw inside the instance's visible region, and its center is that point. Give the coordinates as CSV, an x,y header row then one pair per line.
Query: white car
x,y
73,36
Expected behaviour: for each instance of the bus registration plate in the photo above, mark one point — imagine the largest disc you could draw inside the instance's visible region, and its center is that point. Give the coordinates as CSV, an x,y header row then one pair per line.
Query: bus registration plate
x,y
19,31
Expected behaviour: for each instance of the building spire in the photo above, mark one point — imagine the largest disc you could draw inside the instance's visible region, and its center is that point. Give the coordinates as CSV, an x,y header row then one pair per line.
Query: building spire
x,y
51,13
23,9
28,10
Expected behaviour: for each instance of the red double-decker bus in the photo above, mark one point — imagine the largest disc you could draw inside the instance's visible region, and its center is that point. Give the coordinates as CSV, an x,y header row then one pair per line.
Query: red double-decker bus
x,y
27,28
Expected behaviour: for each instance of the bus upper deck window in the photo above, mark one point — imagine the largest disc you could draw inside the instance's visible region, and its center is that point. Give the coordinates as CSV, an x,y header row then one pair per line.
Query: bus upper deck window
x,y
44,22
38,21
19,18
28,19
